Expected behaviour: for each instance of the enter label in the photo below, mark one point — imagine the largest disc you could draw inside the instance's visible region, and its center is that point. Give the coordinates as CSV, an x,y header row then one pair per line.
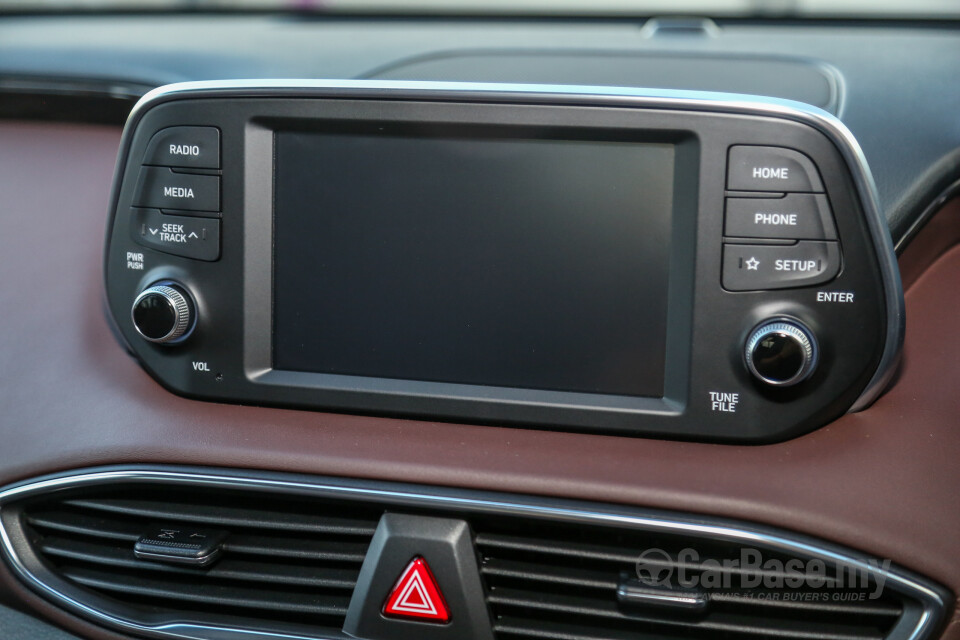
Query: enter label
x,y
834,296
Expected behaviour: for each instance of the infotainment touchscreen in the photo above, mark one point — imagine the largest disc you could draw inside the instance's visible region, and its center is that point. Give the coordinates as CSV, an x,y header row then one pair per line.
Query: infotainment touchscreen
x,y
500,259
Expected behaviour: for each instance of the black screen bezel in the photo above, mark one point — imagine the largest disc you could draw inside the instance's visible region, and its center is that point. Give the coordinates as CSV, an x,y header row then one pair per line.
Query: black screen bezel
x,y
515,122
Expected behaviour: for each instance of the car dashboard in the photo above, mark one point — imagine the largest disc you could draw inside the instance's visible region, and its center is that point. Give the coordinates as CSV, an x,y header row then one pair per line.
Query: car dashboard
x,y
536,501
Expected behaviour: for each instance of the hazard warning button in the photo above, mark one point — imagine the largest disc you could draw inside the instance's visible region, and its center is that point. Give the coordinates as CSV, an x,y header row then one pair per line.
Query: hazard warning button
x,y
417,595
399,597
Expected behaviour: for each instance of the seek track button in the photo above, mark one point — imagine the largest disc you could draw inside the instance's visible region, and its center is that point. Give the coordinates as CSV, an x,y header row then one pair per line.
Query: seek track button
x,y
749,267
196,238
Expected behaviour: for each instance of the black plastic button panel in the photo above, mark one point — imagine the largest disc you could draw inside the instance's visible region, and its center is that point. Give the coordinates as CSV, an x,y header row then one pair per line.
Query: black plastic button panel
x,y
176,203
190,147
749,267
793,207
186,236
795,216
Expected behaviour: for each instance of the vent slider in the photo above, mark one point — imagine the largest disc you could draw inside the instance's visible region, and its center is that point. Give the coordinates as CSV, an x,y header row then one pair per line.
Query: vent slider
x,y
636,594
178,544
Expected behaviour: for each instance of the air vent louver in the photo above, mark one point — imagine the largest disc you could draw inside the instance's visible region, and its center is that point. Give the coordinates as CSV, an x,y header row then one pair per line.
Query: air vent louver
x,y
551,570
285,559
559,582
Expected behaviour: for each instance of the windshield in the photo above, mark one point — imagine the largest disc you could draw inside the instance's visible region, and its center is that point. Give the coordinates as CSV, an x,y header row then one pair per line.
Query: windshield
x,y
914,9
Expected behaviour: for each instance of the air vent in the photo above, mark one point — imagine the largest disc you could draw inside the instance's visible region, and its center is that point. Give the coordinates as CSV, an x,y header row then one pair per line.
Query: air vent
x,y
562,582
284,560
284,554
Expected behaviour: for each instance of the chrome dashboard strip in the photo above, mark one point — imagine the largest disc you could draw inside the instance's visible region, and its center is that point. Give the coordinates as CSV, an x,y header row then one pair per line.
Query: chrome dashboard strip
x,y
822,121
84,87
951,191
932,598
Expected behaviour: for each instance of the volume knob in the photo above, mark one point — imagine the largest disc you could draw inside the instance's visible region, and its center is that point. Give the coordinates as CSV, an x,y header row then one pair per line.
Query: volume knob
x,y
781,352
163,313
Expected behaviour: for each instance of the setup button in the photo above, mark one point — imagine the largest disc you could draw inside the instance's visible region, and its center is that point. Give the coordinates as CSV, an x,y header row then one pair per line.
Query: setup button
x,y
749,267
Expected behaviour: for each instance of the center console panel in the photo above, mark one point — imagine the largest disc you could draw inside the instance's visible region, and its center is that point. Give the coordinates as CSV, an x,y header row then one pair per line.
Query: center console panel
x,y
679,265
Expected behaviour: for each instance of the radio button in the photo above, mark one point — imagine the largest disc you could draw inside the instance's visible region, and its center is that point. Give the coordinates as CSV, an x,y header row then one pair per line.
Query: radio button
x,y
748,267
194,147
798,216
161,188
771,169
196,238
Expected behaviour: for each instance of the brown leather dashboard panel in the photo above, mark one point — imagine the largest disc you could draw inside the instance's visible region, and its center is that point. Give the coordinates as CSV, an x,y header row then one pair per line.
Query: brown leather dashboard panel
x,y
884,480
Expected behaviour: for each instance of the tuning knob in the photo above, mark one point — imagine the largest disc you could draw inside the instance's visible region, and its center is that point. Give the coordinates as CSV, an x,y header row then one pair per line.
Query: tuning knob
x,y
163,313
781,352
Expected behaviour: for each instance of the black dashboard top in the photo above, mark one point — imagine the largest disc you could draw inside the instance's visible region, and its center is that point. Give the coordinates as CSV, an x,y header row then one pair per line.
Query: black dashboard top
x,y
893,84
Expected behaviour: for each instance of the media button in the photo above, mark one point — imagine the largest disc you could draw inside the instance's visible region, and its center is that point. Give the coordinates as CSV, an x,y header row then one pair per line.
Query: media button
x,y
194,147
162,188
750,267
771,169
797,216
195,238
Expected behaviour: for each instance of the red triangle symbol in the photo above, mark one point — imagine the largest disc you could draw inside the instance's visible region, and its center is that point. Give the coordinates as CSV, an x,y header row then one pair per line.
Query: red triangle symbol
x,y
416,595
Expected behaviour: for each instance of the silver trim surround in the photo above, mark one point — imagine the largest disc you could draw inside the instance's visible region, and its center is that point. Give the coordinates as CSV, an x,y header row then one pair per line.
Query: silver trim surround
x,y
932,599
667,99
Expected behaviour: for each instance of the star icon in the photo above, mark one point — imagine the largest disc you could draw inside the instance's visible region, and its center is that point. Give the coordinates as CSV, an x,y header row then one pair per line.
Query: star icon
x,y
752,264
